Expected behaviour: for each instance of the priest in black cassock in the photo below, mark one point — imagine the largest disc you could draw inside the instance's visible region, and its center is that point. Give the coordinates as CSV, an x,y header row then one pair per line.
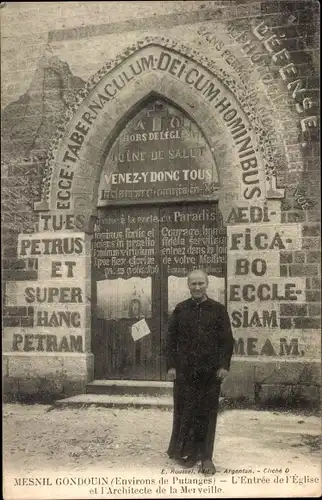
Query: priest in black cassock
x,y
199,350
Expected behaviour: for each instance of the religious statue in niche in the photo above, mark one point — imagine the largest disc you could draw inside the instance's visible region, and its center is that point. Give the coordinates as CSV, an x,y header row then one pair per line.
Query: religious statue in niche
x,y
122,299
135,308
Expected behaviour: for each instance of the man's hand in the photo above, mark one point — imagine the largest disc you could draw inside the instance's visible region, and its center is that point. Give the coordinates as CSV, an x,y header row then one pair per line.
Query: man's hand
x,y
222,373
172,373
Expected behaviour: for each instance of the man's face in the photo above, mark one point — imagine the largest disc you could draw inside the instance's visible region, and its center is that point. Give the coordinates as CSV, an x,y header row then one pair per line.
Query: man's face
x,y
197,284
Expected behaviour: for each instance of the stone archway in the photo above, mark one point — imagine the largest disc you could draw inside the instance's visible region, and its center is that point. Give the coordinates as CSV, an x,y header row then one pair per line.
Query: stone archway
x,y
231,128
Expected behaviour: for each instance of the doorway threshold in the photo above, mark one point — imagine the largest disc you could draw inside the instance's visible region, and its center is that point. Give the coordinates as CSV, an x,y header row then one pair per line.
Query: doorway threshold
x,y
115,401
155,388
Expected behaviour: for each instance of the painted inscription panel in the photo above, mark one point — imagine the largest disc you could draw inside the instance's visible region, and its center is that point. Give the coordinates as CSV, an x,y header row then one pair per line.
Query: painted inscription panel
x,y
160,154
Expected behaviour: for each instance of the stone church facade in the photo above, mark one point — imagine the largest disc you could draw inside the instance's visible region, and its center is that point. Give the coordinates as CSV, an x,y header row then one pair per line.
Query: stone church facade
x,y
141,141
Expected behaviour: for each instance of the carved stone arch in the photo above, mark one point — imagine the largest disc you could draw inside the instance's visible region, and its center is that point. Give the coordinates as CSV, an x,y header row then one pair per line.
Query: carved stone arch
x,y
152,97
216,109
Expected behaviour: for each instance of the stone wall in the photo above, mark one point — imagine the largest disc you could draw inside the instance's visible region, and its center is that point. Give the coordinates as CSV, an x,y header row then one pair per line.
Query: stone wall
x,y
266,53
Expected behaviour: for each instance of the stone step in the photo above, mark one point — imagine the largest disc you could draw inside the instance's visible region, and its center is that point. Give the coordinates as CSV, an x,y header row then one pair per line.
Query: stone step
x,y
115,401
130,387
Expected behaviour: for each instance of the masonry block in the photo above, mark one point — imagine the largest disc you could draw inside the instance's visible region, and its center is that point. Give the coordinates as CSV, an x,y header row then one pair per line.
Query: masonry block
x,y
5,367
313,296
316,283
289,394
286,323
314,257
48,375
73,387
314,309
311,243
10,386
311,230
286,257
307,322
78,367
311,392
293,309
287,372
33,366
313,216
303,270
240,381
299,257
296,216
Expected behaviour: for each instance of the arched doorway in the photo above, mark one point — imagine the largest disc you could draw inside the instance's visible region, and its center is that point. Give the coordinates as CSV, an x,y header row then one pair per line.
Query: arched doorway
x,y
158,218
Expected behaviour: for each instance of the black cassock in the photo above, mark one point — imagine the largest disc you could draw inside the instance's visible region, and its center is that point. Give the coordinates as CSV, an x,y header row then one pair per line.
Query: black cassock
x,y
199,342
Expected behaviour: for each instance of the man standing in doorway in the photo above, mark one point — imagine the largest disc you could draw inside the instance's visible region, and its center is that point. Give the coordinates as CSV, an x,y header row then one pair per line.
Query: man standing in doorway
x,y
199,350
